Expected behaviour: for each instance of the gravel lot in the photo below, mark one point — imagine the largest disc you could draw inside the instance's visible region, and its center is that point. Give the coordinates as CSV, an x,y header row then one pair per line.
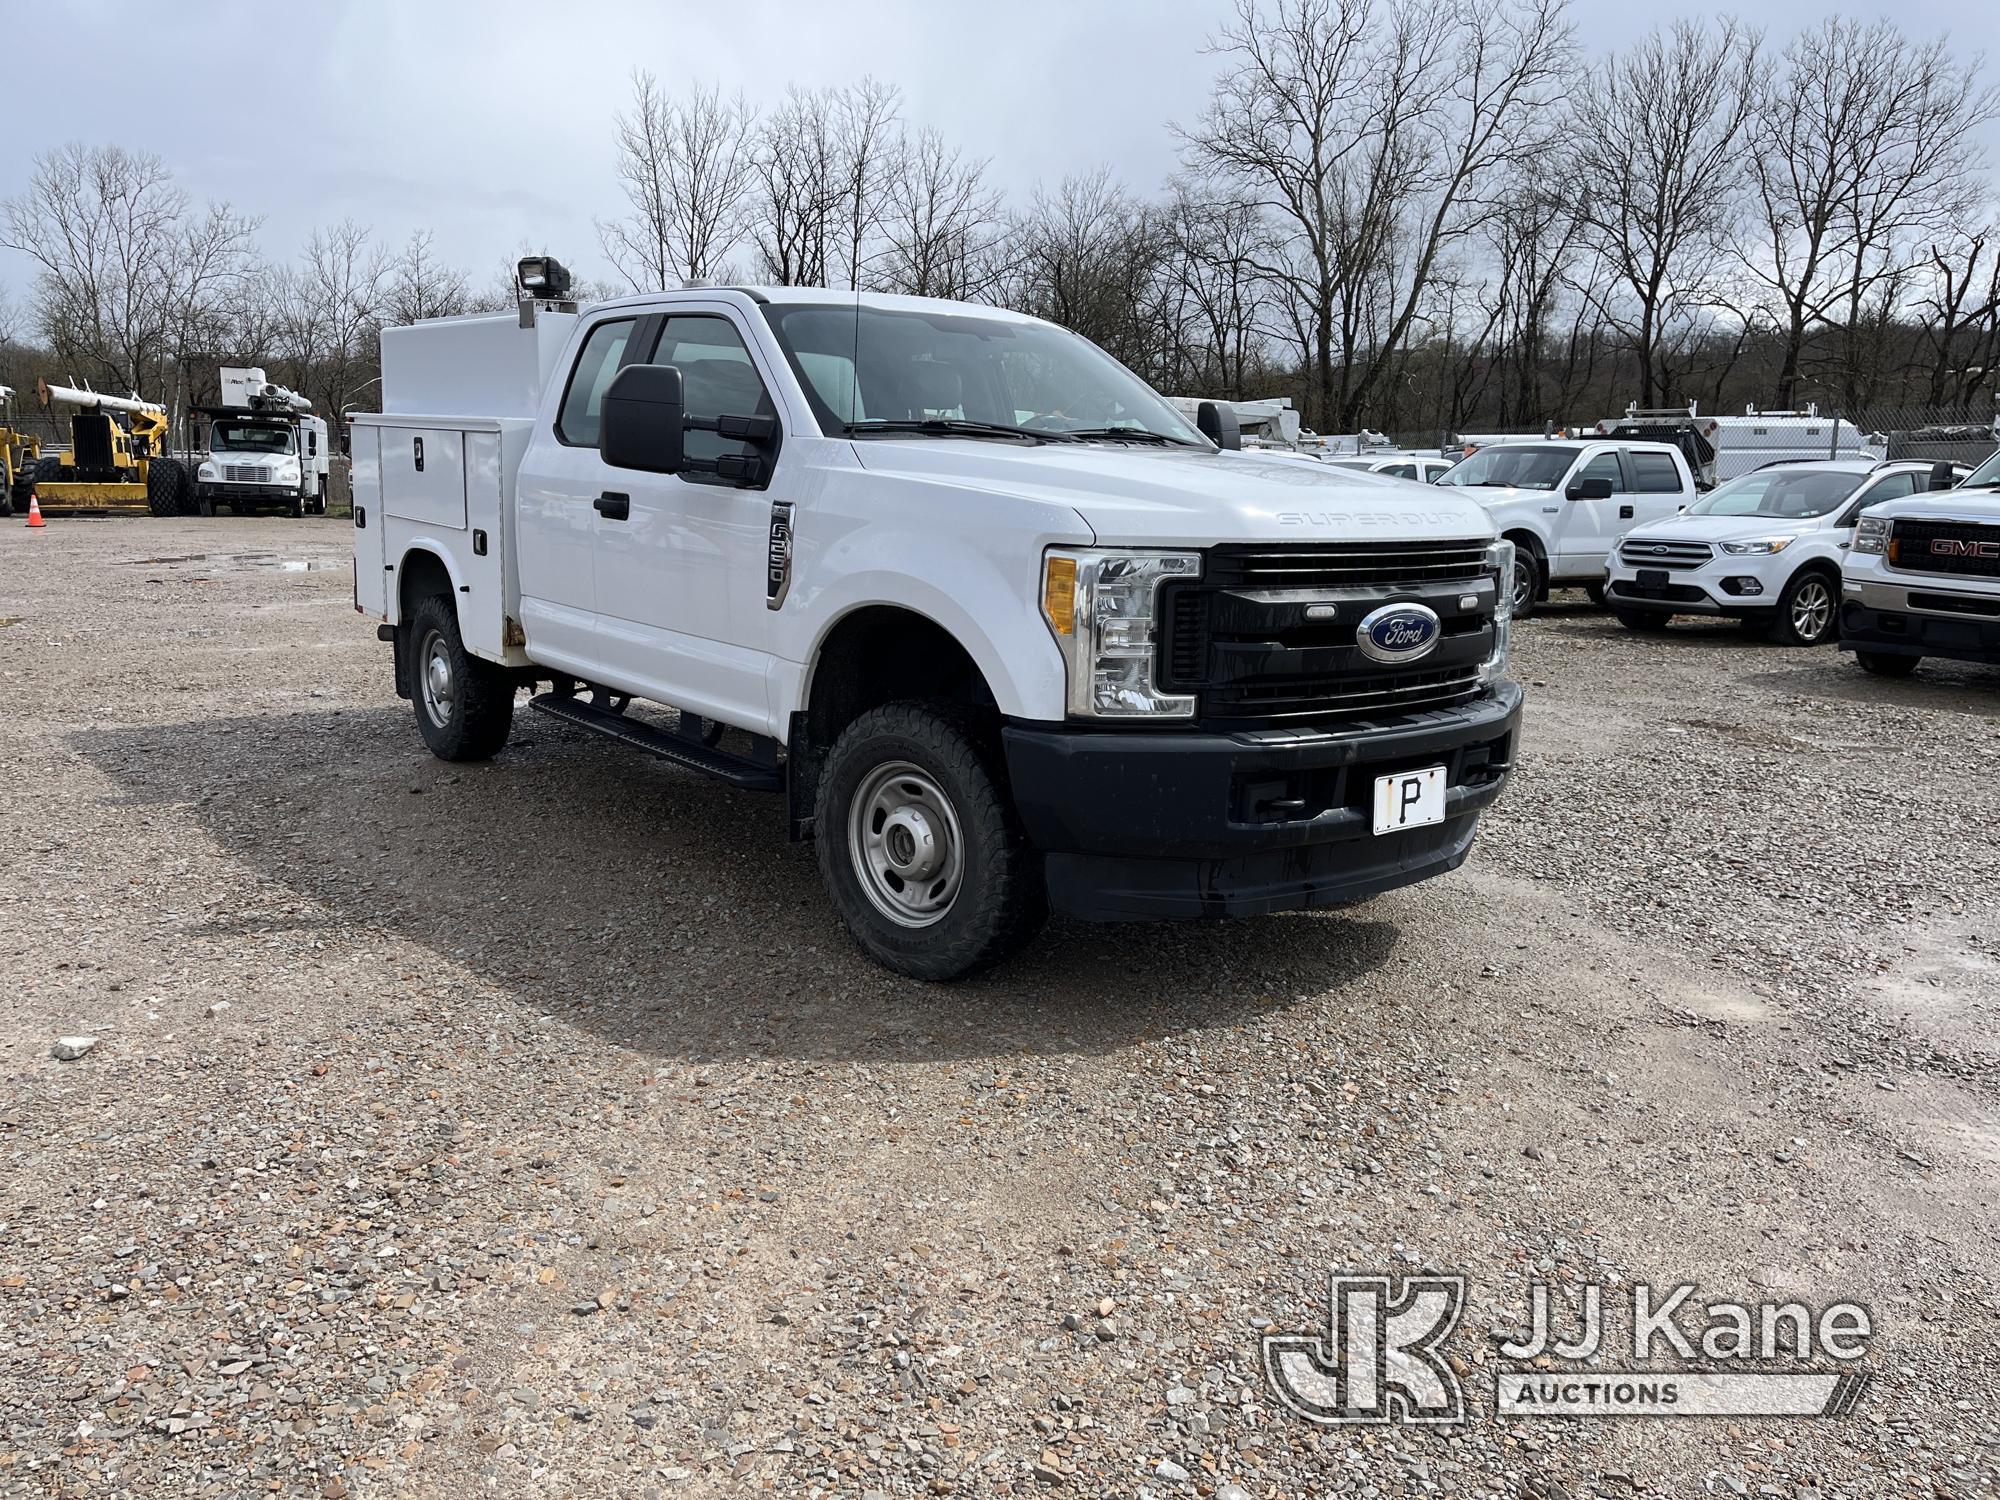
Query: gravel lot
x,y
531,1129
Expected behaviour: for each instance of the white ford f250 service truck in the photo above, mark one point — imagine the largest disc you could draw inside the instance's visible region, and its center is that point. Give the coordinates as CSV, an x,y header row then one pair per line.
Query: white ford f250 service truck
x,y
1923,577
1007,632
1565,504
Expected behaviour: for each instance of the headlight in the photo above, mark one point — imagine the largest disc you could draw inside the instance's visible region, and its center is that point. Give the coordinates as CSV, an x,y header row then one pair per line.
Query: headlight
x,y
1102,607
1872,535
206,471
1762,547
1499,562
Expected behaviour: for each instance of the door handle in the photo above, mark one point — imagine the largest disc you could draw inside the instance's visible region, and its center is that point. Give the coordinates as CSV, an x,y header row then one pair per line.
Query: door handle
x,y
613,506
1624,512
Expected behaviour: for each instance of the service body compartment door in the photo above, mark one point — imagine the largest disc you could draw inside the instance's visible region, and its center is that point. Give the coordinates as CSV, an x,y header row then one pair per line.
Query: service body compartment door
x,y
371,576
423,475
482,605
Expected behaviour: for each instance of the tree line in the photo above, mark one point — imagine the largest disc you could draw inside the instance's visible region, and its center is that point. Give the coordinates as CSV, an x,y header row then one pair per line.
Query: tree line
x,y
1414,215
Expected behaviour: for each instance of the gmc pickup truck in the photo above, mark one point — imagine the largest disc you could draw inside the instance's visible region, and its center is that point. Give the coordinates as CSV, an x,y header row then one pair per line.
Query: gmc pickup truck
x,y
1006,632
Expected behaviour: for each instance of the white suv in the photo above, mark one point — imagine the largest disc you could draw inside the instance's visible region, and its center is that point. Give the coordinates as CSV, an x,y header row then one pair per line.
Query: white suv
x,y
1765,548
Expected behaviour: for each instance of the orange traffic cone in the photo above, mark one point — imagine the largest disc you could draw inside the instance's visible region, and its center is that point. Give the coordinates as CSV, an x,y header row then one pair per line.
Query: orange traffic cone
x,y
35,511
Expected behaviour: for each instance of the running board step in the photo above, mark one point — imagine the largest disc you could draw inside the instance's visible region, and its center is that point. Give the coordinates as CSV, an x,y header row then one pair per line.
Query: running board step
x,y
737,770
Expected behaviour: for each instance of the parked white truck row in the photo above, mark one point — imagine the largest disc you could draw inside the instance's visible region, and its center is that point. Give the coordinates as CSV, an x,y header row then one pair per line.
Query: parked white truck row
x,y
1008,632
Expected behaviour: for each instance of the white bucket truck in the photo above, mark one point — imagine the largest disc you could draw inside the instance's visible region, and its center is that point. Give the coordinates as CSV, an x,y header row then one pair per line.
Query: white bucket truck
x,y
1007,632
265,449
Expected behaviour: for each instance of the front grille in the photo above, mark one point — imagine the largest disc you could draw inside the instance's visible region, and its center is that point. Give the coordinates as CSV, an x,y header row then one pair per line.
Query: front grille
x,y
1361,564
1268,635
1657,552
1960,548
246,473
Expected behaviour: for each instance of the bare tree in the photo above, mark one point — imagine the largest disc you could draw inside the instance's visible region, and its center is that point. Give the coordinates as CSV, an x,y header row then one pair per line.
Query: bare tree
x,y
326,314
1366,129
940,223
800,184
1660,132
681,163
1961,310
865,122
130,274
422,286
1860,140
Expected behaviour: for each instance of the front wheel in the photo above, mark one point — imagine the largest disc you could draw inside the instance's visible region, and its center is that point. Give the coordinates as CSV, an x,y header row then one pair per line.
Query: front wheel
x,y
919,847
1596,592
1807,611
1526,582
1886,664
464,705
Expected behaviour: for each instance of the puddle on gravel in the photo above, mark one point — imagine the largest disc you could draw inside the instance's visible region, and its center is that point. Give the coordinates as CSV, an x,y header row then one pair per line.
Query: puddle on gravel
x,y
252,561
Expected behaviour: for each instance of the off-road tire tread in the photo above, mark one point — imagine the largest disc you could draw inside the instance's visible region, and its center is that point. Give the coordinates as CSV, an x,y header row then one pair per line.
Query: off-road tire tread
x,y
987,925
485,691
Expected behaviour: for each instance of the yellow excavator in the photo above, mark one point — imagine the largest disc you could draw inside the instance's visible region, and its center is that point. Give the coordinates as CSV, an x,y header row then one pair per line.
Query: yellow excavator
x,y
117,458
19,454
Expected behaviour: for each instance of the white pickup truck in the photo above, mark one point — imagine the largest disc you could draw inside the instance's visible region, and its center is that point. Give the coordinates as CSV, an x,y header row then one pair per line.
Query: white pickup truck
x,y
1564,504
1008,633
1923,577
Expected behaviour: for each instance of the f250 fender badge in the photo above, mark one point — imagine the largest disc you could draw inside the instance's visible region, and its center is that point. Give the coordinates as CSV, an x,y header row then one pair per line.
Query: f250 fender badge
x,y
1398,633
778,561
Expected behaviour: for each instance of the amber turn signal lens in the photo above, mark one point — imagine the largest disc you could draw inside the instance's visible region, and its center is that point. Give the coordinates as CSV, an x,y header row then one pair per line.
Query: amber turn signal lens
x,y
1059,594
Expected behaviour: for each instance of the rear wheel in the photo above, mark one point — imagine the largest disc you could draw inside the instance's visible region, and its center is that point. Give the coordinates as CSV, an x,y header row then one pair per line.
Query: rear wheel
x,y
1596,592
1807,611
919,847
464,705
168,492
1886,664
1645,621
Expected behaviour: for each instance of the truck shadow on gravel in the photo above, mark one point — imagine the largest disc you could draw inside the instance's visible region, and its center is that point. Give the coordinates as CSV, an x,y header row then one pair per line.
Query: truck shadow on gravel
x,y
659,909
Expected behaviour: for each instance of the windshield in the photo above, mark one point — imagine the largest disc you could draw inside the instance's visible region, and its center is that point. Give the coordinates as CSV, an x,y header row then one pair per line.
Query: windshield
x,y
874,368
248,437
1985,476
1529,468
1782,494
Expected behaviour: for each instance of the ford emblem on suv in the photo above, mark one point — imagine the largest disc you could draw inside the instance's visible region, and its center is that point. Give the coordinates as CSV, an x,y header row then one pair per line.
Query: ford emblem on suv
x,y
1397,633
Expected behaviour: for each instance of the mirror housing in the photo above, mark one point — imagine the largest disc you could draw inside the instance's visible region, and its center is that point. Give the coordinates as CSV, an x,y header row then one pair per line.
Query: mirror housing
x,y
1589,489
1943,475
645,416
1219,425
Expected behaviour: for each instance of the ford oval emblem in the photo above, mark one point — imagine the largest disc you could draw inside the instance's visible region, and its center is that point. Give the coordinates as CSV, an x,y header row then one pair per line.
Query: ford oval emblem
x,y
1398,633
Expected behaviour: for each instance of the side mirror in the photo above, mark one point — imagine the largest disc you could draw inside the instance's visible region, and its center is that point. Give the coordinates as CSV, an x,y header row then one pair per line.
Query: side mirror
x,y
1589,489
645,413
1943,476
1218,424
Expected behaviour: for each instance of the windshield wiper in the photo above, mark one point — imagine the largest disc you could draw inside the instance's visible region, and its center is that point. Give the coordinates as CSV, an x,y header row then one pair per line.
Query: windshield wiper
x,y
955,427
1127,434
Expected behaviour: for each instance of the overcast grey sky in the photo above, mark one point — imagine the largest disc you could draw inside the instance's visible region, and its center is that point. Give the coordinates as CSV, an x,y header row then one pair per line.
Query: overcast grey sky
x,y
488,124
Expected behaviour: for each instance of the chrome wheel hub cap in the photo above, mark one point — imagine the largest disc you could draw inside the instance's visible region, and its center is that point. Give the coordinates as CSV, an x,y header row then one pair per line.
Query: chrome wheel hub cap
x,y
1811,610
903,838
438,688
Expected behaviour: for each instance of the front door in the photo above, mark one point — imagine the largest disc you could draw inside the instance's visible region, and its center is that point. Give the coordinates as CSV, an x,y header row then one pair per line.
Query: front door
x,y
1585,528
680,577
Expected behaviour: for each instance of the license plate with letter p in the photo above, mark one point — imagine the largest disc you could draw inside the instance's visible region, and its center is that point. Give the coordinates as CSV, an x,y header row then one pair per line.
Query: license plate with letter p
x,y
1409,799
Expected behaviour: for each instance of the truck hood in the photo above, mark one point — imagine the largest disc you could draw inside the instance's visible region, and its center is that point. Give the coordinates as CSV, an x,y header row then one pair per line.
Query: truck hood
x,y
1980,506
1497,494
1129,495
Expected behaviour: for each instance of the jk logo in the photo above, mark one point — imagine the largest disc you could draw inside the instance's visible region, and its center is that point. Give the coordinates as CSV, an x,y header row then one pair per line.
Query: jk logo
x,y
1379,1360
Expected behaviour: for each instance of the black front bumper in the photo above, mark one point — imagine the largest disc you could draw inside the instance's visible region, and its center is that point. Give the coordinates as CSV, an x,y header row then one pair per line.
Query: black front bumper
x,y
1150,824
1897,633
250,494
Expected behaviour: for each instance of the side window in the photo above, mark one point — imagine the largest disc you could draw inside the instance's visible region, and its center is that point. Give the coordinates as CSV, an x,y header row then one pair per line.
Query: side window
x,y
583,402
1656,474
1401,471
1895,487
719,379
312,443
1604,466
